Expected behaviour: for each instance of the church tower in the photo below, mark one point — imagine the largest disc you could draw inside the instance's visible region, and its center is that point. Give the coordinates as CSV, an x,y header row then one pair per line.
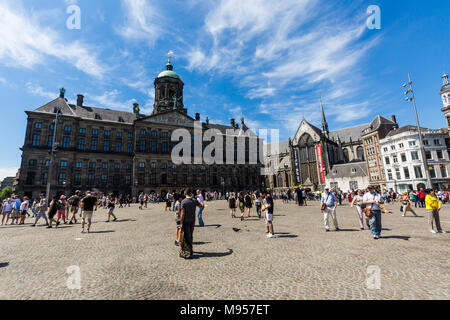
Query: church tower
x,y
168,91
325,130
445,94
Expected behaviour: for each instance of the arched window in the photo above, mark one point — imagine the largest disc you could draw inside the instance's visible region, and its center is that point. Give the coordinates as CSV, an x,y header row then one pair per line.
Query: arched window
x,y
360,153
346,158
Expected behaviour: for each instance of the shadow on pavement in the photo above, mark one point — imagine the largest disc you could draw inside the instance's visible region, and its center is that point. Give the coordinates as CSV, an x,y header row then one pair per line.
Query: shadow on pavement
x,y
4,264
210,225
286,235
199,255
406,238
107,231
200,243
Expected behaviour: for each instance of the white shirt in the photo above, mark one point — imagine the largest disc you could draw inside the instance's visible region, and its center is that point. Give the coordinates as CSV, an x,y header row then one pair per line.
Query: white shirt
x,y
372,197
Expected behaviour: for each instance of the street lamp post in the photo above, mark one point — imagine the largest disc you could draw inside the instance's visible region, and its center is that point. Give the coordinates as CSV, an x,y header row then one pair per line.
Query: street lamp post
x,y
422,148
52,154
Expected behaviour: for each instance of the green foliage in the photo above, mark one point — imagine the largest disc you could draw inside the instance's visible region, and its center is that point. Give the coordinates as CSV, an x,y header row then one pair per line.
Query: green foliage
x,y
6,193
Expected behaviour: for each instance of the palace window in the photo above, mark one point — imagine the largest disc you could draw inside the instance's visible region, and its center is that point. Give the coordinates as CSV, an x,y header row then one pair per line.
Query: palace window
x,y
143,132
119,134
94,143
67,129
44,178
107,134
105,165
106,146
154,147
118,146
61,178
38,125
130,147
154,133
79,165
36,140
32,163
50,141
63,164
95,132
82,131
66,143
77,179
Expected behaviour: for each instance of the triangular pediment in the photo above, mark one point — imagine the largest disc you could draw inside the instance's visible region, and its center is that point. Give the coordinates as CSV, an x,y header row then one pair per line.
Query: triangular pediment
x,y
306,127
173,117
57,103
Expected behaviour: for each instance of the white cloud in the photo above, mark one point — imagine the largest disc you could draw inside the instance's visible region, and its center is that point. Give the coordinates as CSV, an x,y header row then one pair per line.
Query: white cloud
x,y
143,21
39,91
275,51
7,172
25,44
110,100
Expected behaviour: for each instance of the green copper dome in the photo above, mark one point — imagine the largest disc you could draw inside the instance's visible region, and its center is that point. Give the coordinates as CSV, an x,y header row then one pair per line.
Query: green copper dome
x,y
169,72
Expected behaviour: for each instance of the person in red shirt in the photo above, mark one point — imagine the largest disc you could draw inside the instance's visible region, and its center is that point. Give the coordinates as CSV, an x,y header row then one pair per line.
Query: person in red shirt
x,y
421,198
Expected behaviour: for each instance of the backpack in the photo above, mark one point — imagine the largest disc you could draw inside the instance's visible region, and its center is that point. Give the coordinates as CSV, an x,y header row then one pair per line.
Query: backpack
x,y
58,205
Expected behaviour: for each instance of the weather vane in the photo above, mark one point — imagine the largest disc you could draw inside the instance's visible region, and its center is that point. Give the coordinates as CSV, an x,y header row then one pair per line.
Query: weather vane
x,y
169,54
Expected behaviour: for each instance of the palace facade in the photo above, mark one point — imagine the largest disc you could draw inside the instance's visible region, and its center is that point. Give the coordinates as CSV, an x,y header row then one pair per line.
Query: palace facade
x,y
106,150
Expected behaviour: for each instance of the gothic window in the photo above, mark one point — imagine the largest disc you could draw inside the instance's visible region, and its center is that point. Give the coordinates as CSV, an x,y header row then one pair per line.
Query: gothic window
x,y
346,155
360,153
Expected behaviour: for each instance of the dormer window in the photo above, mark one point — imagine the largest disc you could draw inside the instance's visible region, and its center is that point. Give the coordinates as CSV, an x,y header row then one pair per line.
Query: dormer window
x,y
121,120
98,117
353,170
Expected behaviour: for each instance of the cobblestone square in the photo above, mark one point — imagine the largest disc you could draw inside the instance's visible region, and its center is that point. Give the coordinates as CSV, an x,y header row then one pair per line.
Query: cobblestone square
x,y
135,258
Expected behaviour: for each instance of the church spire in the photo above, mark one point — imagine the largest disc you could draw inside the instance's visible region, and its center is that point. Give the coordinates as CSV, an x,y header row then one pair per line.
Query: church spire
x,y
325,130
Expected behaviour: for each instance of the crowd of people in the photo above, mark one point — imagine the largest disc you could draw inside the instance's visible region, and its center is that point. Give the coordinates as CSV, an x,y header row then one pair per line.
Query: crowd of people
x,y
188,206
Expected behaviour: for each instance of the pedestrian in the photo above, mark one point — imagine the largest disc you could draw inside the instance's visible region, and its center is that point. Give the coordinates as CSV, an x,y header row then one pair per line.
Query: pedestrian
x,y
177,211
358,203
62,210
329,203
241,203
187,221
74,202
111,205
258,203
421,198
89,203
15,215
268,207
200,209
433,206
52,210
6,211
42,208
406,204
248,202
232,205
24,206
141,200
372,200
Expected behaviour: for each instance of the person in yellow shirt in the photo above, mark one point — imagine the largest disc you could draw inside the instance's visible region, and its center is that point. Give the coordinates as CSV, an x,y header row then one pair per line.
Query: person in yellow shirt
x,y
433,206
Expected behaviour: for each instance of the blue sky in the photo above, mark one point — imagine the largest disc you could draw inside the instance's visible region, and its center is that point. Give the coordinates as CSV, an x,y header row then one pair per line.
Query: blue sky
x,y
268,61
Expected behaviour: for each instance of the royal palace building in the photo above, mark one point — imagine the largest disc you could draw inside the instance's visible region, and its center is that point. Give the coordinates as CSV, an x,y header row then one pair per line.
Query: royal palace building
x,y
106,150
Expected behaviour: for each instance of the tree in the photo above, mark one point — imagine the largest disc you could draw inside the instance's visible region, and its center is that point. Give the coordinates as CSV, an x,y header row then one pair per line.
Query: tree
x,y
6,193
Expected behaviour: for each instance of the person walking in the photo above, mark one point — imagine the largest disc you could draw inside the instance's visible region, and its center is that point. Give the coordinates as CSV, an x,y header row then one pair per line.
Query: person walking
x,y
63,204
111,205
433,206
177,211
372,200
241,203
201,200
24,209
357,202
42,208
89,203
74,202
406,204
52,210
258,203
329,203
187,221
248,202
268,214
232,205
